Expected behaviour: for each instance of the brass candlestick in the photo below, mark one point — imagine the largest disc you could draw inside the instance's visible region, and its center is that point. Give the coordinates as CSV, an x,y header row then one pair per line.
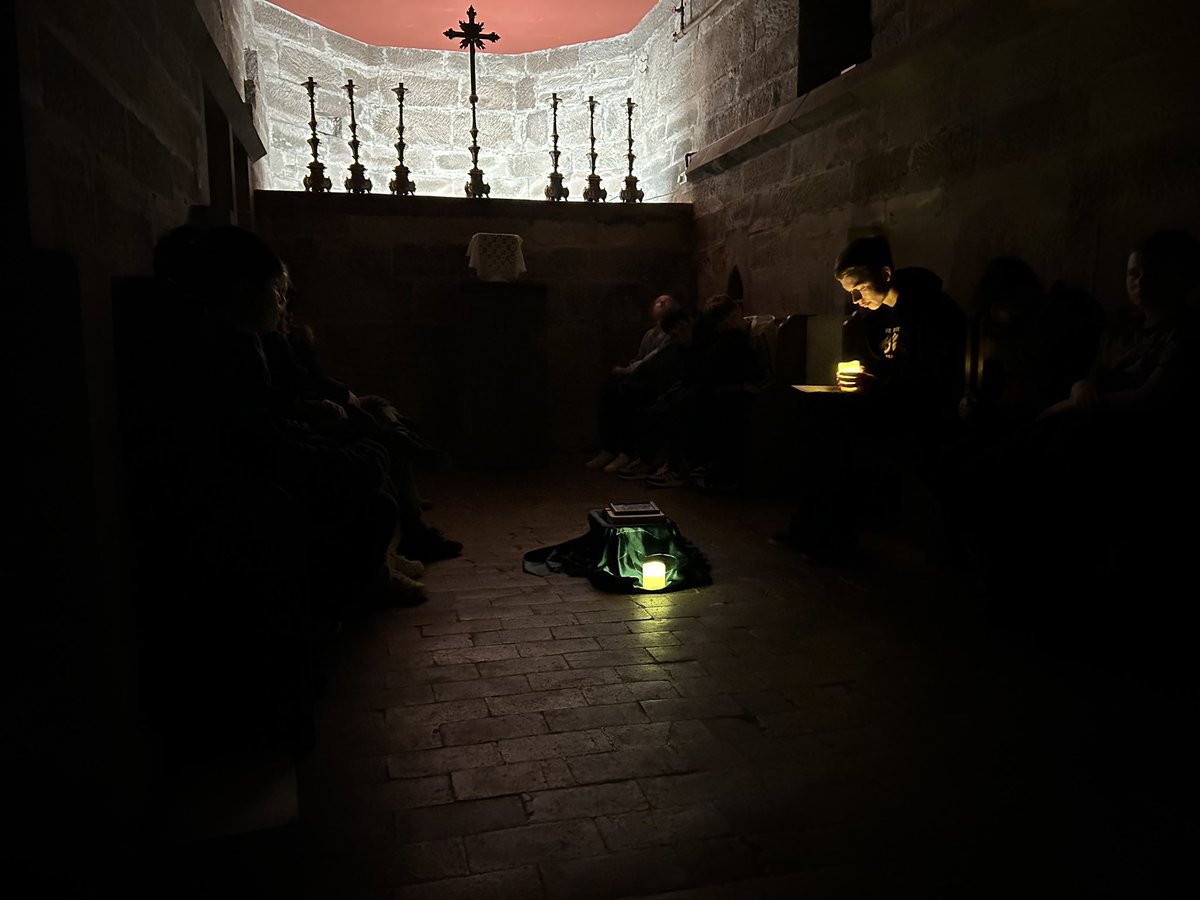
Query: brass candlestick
x,y
593,193
358,182
555,189
401,185
472,37
315,181
631,193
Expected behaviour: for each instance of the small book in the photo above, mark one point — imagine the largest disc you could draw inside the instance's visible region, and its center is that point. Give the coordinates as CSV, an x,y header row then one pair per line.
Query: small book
x,y
629,509
634,513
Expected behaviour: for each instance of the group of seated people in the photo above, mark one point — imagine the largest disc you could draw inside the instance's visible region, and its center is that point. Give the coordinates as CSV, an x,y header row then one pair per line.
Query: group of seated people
x,y
288,500
1046,430
679,412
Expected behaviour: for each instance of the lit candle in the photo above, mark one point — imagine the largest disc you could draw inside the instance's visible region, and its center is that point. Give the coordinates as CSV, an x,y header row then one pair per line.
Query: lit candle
x,y
654,575
845,374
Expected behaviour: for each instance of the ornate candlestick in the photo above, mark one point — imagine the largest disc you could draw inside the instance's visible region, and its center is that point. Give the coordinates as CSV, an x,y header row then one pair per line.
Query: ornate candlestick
x,y
358,182
555,189
676,35
401,184
593,192
315,181
631,193
472,37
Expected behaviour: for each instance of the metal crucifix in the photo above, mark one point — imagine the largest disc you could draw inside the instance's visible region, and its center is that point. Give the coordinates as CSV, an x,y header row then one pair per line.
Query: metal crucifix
x,y
472,37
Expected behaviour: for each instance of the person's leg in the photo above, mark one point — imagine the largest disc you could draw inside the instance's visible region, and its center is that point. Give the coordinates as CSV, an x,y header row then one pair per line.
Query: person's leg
x,y
825,487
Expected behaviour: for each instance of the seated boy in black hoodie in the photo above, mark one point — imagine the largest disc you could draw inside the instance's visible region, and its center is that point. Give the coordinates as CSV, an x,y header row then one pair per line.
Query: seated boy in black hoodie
x,y
910,337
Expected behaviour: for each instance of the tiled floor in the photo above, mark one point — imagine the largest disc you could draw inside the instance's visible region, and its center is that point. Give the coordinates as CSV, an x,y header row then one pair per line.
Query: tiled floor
x,y
785,732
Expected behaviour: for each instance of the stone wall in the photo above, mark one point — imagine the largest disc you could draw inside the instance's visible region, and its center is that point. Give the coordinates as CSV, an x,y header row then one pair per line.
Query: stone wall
x,y
1050,129
513,111
107,105
975,129
387,287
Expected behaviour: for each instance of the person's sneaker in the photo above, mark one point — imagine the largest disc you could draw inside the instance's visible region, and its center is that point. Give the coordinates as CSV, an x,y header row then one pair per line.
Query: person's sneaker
x,y
429,545
400,590
617,463
635,471
411,568
716,484
600,460
667,479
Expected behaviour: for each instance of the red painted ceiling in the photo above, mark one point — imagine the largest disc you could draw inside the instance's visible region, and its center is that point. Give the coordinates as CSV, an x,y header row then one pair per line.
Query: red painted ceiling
x,y
523,25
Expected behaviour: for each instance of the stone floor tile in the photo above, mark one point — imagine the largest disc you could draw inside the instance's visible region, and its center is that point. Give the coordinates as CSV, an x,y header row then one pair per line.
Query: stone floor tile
x,y
442,761
716,706
542,617
621,614
458,626
592,630
532,844
555,647
536,701
474,654
628,873
635,762
512,636
546,746
587,717
494,728
645,639
522,666
481,687
583,801
628,657
522,883
512,778
432,860
573,678
460,818
430,674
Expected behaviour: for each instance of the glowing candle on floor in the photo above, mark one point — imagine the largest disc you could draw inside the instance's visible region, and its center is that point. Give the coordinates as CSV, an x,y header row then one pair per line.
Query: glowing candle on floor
x,y
654,575
844,369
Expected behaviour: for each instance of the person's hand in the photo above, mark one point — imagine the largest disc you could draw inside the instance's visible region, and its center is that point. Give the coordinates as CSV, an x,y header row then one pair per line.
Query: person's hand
x,y
855,381
967,405
621,370
329,411
353,400
1085,396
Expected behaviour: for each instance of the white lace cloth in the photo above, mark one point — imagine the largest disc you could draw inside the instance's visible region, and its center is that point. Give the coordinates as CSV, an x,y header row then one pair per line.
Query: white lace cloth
x,y
496,257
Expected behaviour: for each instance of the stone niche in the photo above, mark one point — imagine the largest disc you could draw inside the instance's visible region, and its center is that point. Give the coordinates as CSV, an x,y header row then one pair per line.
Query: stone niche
x,y
498,373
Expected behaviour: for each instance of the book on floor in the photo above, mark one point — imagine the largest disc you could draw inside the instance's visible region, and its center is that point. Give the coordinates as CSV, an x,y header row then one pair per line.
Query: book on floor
x,y
637,511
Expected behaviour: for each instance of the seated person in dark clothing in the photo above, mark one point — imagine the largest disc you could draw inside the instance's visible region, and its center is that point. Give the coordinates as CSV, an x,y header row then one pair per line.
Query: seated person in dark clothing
x,y
250,422
638,391
1025,344
338,412
910,337
1006,387
1117,448
707,413
616,451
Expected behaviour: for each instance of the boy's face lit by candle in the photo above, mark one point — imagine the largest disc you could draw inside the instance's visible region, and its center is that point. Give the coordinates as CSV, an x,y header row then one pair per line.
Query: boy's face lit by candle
x,y
868,288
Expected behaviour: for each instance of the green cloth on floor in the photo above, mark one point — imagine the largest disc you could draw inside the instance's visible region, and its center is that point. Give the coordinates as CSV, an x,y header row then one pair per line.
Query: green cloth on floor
x,y
611,556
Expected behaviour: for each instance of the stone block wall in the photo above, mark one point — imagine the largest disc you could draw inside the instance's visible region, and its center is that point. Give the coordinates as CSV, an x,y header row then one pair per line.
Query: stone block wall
x,y
107,105
1056,130
384,281
975,129
513,117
